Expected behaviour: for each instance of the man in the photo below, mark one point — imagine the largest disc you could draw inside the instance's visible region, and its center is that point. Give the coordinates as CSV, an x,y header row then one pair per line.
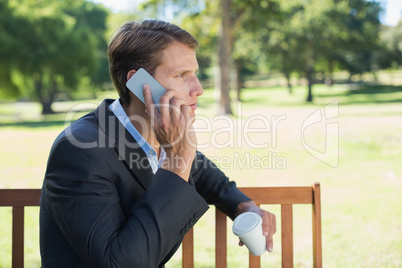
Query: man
x,y
125,183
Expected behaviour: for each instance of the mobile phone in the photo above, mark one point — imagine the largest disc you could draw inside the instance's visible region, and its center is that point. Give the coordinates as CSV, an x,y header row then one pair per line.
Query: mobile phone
x,y
136,83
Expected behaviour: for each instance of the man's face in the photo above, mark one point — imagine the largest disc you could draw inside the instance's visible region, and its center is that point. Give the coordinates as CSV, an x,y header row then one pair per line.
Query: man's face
x,y
178,72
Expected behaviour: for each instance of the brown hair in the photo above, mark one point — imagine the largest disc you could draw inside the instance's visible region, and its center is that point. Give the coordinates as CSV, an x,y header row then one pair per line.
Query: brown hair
x,y
140,45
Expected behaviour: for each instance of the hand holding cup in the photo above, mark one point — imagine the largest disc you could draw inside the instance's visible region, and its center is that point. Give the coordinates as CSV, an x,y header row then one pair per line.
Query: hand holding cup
x,y
248,227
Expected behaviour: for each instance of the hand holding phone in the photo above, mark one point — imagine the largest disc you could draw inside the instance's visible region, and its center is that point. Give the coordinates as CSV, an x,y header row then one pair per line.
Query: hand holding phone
x,y
136,84
170,124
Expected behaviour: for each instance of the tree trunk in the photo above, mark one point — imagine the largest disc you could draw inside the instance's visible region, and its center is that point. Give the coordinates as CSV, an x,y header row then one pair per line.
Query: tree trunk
x,y
45,101
290,89
350,77
329,78
310,77
310,72
47,107
239,79
224,59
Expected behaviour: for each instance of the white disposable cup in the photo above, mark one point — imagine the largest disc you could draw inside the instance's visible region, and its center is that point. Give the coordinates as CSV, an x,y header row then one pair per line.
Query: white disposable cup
x,y
248,227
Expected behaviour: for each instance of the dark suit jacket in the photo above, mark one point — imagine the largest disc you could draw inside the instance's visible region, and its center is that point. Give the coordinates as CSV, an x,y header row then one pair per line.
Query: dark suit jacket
x,y
101,205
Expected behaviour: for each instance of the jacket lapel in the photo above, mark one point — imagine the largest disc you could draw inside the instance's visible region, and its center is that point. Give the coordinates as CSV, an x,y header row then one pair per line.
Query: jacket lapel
x,y
113,133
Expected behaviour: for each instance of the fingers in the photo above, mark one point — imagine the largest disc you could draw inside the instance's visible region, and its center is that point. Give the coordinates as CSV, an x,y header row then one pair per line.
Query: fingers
x,y
172,120
268,221
150,107
171,107
165,104
177,108
269,228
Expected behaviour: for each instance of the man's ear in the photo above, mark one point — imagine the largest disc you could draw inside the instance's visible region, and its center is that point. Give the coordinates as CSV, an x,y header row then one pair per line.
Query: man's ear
x,y
130,74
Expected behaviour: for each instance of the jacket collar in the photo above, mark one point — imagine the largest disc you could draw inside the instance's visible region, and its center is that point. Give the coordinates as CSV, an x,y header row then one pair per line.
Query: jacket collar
x,y
127,147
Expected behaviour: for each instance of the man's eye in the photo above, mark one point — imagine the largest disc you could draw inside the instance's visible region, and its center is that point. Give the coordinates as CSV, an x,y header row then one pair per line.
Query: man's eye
x,y
183,75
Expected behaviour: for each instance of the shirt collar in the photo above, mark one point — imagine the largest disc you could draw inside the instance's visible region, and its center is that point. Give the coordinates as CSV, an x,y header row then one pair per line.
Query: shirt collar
x,y
119,112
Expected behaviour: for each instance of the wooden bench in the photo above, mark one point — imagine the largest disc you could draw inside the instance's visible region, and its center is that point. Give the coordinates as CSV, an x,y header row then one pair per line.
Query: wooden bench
x,y
285,196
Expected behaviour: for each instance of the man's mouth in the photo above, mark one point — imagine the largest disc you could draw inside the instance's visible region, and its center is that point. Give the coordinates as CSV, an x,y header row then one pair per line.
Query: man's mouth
x,y
193,106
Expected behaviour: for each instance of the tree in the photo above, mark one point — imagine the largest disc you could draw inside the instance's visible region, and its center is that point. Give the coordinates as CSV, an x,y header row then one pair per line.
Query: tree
x,y
55,46
390,53
280,46
292,36
228,16
357,37
11,49
249,39
238,14
318,33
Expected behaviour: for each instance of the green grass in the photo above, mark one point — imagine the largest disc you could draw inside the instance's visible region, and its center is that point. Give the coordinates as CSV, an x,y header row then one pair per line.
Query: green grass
x,y
361,196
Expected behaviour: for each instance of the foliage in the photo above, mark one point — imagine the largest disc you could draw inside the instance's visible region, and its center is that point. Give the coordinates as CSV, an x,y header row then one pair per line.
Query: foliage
x,y
51,48
358,38
62,41
390,53
317,35
299,36
203,25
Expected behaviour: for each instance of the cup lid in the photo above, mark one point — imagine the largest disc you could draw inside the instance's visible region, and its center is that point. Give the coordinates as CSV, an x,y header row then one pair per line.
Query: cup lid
x,y
246,222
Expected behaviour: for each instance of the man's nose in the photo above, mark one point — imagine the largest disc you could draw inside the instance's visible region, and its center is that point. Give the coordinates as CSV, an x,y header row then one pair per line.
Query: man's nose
x,y
196,88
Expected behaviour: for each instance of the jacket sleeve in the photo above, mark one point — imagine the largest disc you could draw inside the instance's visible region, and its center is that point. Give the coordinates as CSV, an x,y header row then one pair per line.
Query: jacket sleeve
x,y
215,187
80,194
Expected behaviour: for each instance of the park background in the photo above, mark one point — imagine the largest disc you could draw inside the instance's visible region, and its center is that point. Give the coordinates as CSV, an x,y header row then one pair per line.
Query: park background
x,y
258,60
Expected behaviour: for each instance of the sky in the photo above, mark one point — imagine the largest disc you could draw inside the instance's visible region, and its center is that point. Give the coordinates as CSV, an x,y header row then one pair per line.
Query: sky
x,y
391,16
